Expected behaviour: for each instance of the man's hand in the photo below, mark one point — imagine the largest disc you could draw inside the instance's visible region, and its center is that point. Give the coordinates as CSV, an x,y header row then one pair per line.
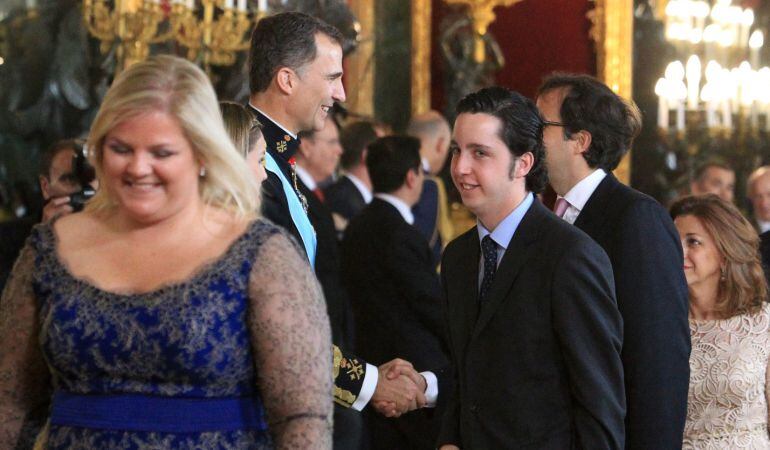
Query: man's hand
x,y
56,206
399,389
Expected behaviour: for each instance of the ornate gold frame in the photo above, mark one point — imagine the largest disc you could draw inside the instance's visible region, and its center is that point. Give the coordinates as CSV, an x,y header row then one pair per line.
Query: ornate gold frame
x,y
421,31
612,31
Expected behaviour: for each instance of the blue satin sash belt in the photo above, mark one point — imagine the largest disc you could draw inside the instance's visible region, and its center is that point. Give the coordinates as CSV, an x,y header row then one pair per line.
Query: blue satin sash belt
x,y
134,412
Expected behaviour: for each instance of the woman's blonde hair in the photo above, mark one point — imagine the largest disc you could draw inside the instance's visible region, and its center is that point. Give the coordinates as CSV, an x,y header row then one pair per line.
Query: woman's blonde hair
x,y
179,88
242,126
742,287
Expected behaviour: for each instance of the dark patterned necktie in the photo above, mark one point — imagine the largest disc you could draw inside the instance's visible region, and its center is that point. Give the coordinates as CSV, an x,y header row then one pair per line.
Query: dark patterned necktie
x,y
489,249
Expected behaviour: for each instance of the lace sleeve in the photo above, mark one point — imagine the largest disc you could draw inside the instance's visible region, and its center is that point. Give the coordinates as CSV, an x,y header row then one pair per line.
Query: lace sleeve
x,y
767,390
24,377
292,344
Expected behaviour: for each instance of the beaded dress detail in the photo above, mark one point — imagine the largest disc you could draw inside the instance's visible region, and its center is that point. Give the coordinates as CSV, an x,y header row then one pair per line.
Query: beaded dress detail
x,y
201,338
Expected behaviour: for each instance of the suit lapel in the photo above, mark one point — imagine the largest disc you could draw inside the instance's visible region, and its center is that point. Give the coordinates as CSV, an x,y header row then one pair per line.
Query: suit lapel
x,y
594,213
463,286
519,251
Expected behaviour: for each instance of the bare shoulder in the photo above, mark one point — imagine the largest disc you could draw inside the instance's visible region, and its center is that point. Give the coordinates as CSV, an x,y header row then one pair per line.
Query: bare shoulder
x,y
222,224
77,227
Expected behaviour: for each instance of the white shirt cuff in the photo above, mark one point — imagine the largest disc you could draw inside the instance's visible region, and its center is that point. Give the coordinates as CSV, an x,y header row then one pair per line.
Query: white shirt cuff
x,y
431,391
367,388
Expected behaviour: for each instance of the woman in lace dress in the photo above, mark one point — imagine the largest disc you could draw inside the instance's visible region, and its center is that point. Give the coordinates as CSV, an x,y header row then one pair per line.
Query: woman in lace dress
x,y
729,326
165,315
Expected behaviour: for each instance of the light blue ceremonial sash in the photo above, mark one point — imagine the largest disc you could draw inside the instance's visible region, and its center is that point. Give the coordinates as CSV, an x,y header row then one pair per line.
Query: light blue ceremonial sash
x,y
298,215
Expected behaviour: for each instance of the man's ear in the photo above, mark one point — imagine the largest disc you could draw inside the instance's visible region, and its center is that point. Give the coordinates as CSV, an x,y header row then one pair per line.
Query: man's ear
x,y
363,157
523,165
45,185
583,139
286,80
411,178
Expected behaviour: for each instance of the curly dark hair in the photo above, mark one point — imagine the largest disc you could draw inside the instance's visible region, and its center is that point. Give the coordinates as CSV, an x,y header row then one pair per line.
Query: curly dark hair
x,y
521,130
590,105
284,40
744,288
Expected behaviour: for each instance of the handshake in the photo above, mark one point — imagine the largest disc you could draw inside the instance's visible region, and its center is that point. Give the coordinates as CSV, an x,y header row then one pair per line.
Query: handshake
x,y
400,389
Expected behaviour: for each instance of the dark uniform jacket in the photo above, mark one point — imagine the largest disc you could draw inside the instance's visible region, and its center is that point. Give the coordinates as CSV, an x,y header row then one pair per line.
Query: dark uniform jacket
x,y
349,370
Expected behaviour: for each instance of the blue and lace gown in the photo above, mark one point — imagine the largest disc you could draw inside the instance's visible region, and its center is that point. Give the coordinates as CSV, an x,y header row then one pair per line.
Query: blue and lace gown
x,y
178,367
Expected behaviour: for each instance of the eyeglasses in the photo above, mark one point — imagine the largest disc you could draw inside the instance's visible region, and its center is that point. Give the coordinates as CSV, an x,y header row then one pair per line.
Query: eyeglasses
x,y
554,124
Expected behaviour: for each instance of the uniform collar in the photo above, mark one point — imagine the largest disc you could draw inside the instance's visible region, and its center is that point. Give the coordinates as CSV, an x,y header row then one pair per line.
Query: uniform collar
x,y
281,143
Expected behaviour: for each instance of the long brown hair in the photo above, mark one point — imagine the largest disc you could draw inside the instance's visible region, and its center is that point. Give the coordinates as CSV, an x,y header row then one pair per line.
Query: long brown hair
x,y
242,126
743,288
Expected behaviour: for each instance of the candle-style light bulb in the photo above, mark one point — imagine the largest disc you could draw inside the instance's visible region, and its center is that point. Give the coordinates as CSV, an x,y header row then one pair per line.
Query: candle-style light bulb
x,y
675,71
693,81
662,91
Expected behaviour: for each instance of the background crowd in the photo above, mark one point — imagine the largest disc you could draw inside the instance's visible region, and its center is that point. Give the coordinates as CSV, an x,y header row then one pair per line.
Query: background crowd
x,y
207,274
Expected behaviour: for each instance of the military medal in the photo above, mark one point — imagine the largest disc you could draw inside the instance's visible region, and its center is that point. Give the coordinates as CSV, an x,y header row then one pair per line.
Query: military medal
x,y
302,199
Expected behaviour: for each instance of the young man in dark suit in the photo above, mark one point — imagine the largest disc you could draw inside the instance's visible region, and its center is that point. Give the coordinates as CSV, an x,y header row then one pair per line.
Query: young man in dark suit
x,y
588,130
431,214
353,190
534,329
295,76
388,269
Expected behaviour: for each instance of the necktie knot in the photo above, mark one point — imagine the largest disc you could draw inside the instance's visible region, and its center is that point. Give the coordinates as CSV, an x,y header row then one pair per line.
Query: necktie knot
x,y
561,206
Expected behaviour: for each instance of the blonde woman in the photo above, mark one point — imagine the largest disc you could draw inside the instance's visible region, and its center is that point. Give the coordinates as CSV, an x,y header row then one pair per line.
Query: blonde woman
x,y
729,326
165,315
245,132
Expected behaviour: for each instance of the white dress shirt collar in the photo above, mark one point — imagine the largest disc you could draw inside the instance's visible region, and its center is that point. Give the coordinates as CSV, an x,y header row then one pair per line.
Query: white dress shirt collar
x,y
403,208
763,226
365,192
305,177
425,165
578,196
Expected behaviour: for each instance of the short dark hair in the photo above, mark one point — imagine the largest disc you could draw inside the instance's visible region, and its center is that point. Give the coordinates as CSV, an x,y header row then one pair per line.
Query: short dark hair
x,y
355,137
590,105
521,130
701,169
46,159
284,40
389,159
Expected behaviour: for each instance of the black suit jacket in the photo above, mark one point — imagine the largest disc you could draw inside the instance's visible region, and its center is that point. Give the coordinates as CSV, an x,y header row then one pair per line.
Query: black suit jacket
x,y
387,268
344,198
643,245
538,366
764,253
327,268
426,217
389,272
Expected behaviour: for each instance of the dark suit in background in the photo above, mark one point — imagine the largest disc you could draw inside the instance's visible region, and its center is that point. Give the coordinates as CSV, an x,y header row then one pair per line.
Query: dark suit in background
x,y
764,253
646,255
348,424
426,217
538,365
388,270
344,198
13,234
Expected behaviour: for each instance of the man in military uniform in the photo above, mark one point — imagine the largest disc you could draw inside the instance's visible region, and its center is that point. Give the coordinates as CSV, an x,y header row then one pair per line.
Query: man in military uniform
x,y
295,76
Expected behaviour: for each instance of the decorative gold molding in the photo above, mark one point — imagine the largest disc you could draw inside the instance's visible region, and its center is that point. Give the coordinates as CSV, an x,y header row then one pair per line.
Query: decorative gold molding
x,y
612,31
359,77
421,30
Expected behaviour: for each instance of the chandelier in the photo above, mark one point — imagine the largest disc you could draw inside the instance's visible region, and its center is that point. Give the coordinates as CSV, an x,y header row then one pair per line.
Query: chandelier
x,y
720,86
212,31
